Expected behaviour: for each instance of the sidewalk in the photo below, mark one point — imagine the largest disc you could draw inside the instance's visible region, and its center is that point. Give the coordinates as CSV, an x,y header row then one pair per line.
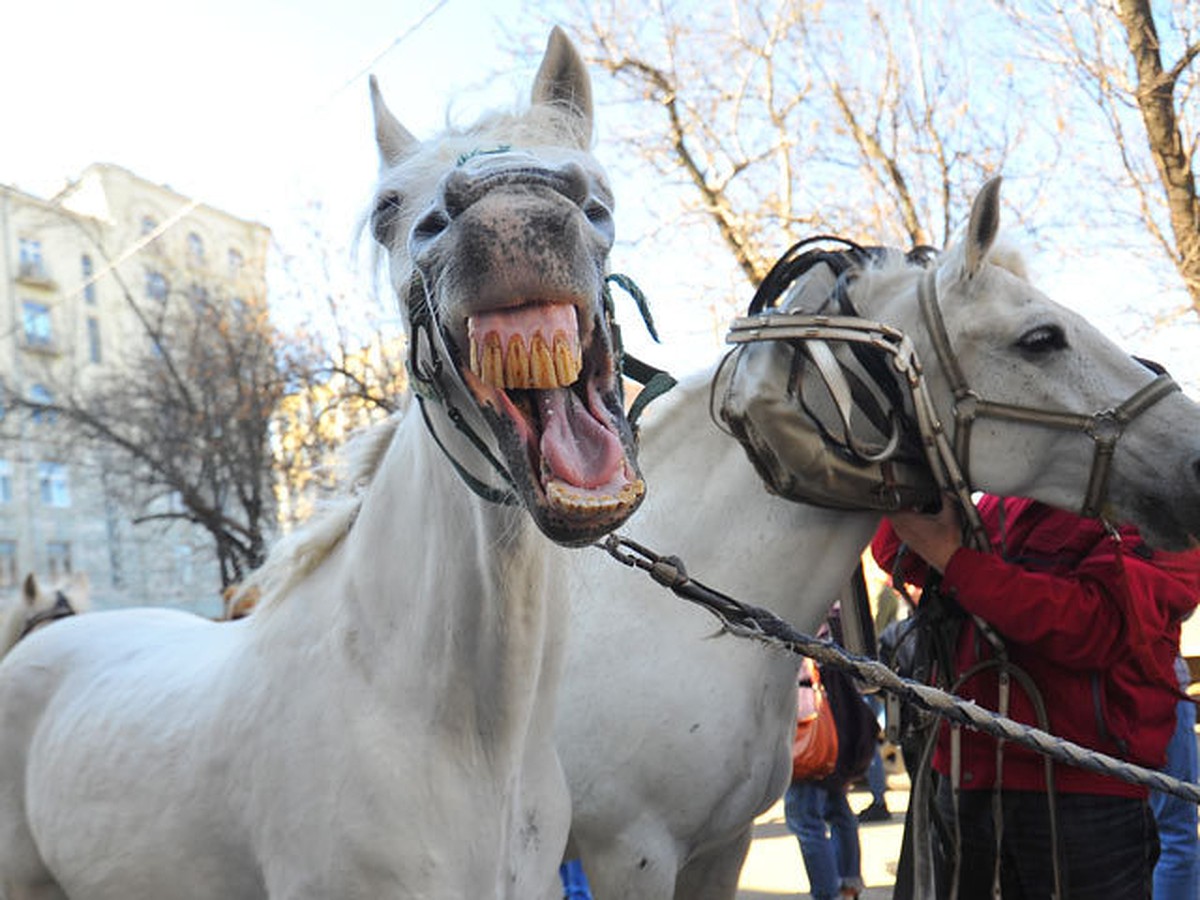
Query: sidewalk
x,y
774,868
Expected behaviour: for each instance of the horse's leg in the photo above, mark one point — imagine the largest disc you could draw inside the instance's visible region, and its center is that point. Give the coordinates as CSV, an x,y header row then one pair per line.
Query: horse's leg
x,y
634,867
713,874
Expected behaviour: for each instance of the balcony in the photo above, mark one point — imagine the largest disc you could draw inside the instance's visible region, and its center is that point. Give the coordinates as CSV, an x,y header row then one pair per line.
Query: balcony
x,y
35,274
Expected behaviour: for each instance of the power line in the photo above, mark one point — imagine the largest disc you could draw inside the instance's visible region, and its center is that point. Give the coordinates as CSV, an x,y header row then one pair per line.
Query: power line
x,y
399,39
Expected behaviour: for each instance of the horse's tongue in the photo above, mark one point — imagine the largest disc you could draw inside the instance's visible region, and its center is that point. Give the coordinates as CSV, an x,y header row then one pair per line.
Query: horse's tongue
x,y
575,447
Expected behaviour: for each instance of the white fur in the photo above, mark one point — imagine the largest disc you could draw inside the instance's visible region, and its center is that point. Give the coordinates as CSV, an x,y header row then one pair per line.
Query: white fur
x,y
675,737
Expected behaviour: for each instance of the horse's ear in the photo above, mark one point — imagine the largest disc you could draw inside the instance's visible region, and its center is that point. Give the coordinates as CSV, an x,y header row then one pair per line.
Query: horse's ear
x,y
392,138
982,226
30,590
562,80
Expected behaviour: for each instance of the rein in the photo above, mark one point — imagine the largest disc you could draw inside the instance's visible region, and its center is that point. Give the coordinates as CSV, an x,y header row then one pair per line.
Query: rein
x,y
753,622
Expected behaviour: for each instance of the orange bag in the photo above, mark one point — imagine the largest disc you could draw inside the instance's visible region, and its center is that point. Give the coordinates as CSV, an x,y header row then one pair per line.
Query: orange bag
x,y
815,747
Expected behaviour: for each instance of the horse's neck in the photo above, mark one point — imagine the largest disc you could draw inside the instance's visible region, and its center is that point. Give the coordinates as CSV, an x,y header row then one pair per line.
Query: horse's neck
x,y
454,586
706,504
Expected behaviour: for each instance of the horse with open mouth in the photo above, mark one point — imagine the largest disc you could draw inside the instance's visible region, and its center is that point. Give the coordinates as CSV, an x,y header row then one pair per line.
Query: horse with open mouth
x,y
381,726
674,736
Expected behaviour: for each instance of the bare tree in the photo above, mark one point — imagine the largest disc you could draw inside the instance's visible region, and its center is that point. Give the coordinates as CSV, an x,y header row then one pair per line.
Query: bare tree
x,y
184,418
1134,76
795,116
360,378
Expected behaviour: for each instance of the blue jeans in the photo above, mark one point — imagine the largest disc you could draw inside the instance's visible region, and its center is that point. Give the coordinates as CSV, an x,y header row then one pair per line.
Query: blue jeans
x,y
575,883
1177,874
1107,846
831,856
876,777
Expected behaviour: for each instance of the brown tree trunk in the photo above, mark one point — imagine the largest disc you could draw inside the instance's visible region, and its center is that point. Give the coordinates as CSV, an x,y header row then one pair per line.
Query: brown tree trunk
x,y
1156,100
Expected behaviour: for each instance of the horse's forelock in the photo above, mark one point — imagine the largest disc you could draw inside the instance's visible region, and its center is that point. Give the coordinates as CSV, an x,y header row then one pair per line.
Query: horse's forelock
x,y
1009,258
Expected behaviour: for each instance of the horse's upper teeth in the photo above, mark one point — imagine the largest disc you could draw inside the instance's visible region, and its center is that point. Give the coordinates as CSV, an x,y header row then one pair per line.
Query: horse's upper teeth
x,y
513,355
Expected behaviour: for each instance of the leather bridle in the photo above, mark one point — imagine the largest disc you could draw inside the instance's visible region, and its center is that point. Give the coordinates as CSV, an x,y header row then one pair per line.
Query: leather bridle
x,y
1104,427
948,460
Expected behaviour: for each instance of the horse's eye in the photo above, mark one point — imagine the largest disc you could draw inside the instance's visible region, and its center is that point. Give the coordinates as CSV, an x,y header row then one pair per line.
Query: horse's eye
x,y
383,219
1043,339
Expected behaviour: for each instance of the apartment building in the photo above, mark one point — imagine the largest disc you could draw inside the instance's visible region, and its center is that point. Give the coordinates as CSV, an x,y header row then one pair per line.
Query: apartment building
x,y
68,266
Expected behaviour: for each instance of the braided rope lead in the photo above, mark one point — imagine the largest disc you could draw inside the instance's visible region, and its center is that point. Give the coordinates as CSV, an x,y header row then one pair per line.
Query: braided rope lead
x,y
754,623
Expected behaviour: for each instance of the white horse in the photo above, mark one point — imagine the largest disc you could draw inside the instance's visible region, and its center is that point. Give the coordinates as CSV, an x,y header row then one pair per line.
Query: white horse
x,y
673,736
382,725
36,607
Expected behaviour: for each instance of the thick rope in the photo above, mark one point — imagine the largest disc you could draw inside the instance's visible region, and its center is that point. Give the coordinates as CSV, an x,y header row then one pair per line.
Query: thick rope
x,y
755,623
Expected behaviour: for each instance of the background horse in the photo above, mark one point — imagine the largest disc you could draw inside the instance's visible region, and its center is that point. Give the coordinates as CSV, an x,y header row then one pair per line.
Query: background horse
x,y
36,607
673,736
381,726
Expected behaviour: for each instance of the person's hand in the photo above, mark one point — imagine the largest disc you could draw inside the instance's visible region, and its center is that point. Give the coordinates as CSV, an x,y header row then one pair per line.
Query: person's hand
x,y
933,537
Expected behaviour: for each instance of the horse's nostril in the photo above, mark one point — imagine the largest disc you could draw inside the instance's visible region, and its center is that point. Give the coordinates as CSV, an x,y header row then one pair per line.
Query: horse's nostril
x,y
430,225
575,185
456,191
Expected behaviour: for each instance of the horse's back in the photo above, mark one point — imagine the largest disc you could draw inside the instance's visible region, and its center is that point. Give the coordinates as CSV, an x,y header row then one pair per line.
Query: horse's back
x,y
83,706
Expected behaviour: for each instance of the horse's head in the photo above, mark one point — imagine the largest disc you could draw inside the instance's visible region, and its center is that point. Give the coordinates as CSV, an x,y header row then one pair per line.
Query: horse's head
x,y
1042,404
497,239
40,607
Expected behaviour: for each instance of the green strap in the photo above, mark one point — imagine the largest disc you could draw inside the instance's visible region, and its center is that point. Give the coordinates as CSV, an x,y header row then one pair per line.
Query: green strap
x,y
654,381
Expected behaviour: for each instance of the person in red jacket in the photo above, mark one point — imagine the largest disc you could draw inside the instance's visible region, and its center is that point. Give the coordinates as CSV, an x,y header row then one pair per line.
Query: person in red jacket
x,y
1092,615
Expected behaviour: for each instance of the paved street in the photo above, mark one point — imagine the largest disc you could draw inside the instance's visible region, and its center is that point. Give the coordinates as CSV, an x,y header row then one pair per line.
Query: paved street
x,y
774,868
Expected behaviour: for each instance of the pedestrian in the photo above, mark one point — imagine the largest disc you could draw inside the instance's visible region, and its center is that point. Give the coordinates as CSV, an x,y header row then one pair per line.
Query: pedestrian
x,y
1091,616
877,810
816,810
1177,872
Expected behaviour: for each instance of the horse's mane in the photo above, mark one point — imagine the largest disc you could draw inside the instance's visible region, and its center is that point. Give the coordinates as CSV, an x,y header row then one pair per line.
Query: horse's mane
x,y
298,554
890,270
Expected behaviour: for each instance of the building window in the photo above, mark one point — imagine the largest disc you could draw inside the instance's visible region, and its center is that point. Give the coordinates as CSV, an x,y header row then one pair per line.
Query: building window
x,y
6,488
89,272
149,225
30,256
156,286
36,319
93,338
42,398
198,294
195,245
8,564
53,486
58,559
236,262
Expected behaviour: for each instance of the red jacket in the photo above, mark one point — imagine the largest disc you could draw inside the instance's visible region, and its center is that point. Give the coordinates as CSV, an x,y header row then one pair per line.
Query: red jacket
x,y
1093,621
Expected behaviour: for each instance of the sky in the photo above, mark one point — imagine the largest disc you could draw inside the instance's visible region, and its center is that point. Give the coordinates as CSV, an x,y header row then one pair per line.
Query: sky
x,y
260,108
254,106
